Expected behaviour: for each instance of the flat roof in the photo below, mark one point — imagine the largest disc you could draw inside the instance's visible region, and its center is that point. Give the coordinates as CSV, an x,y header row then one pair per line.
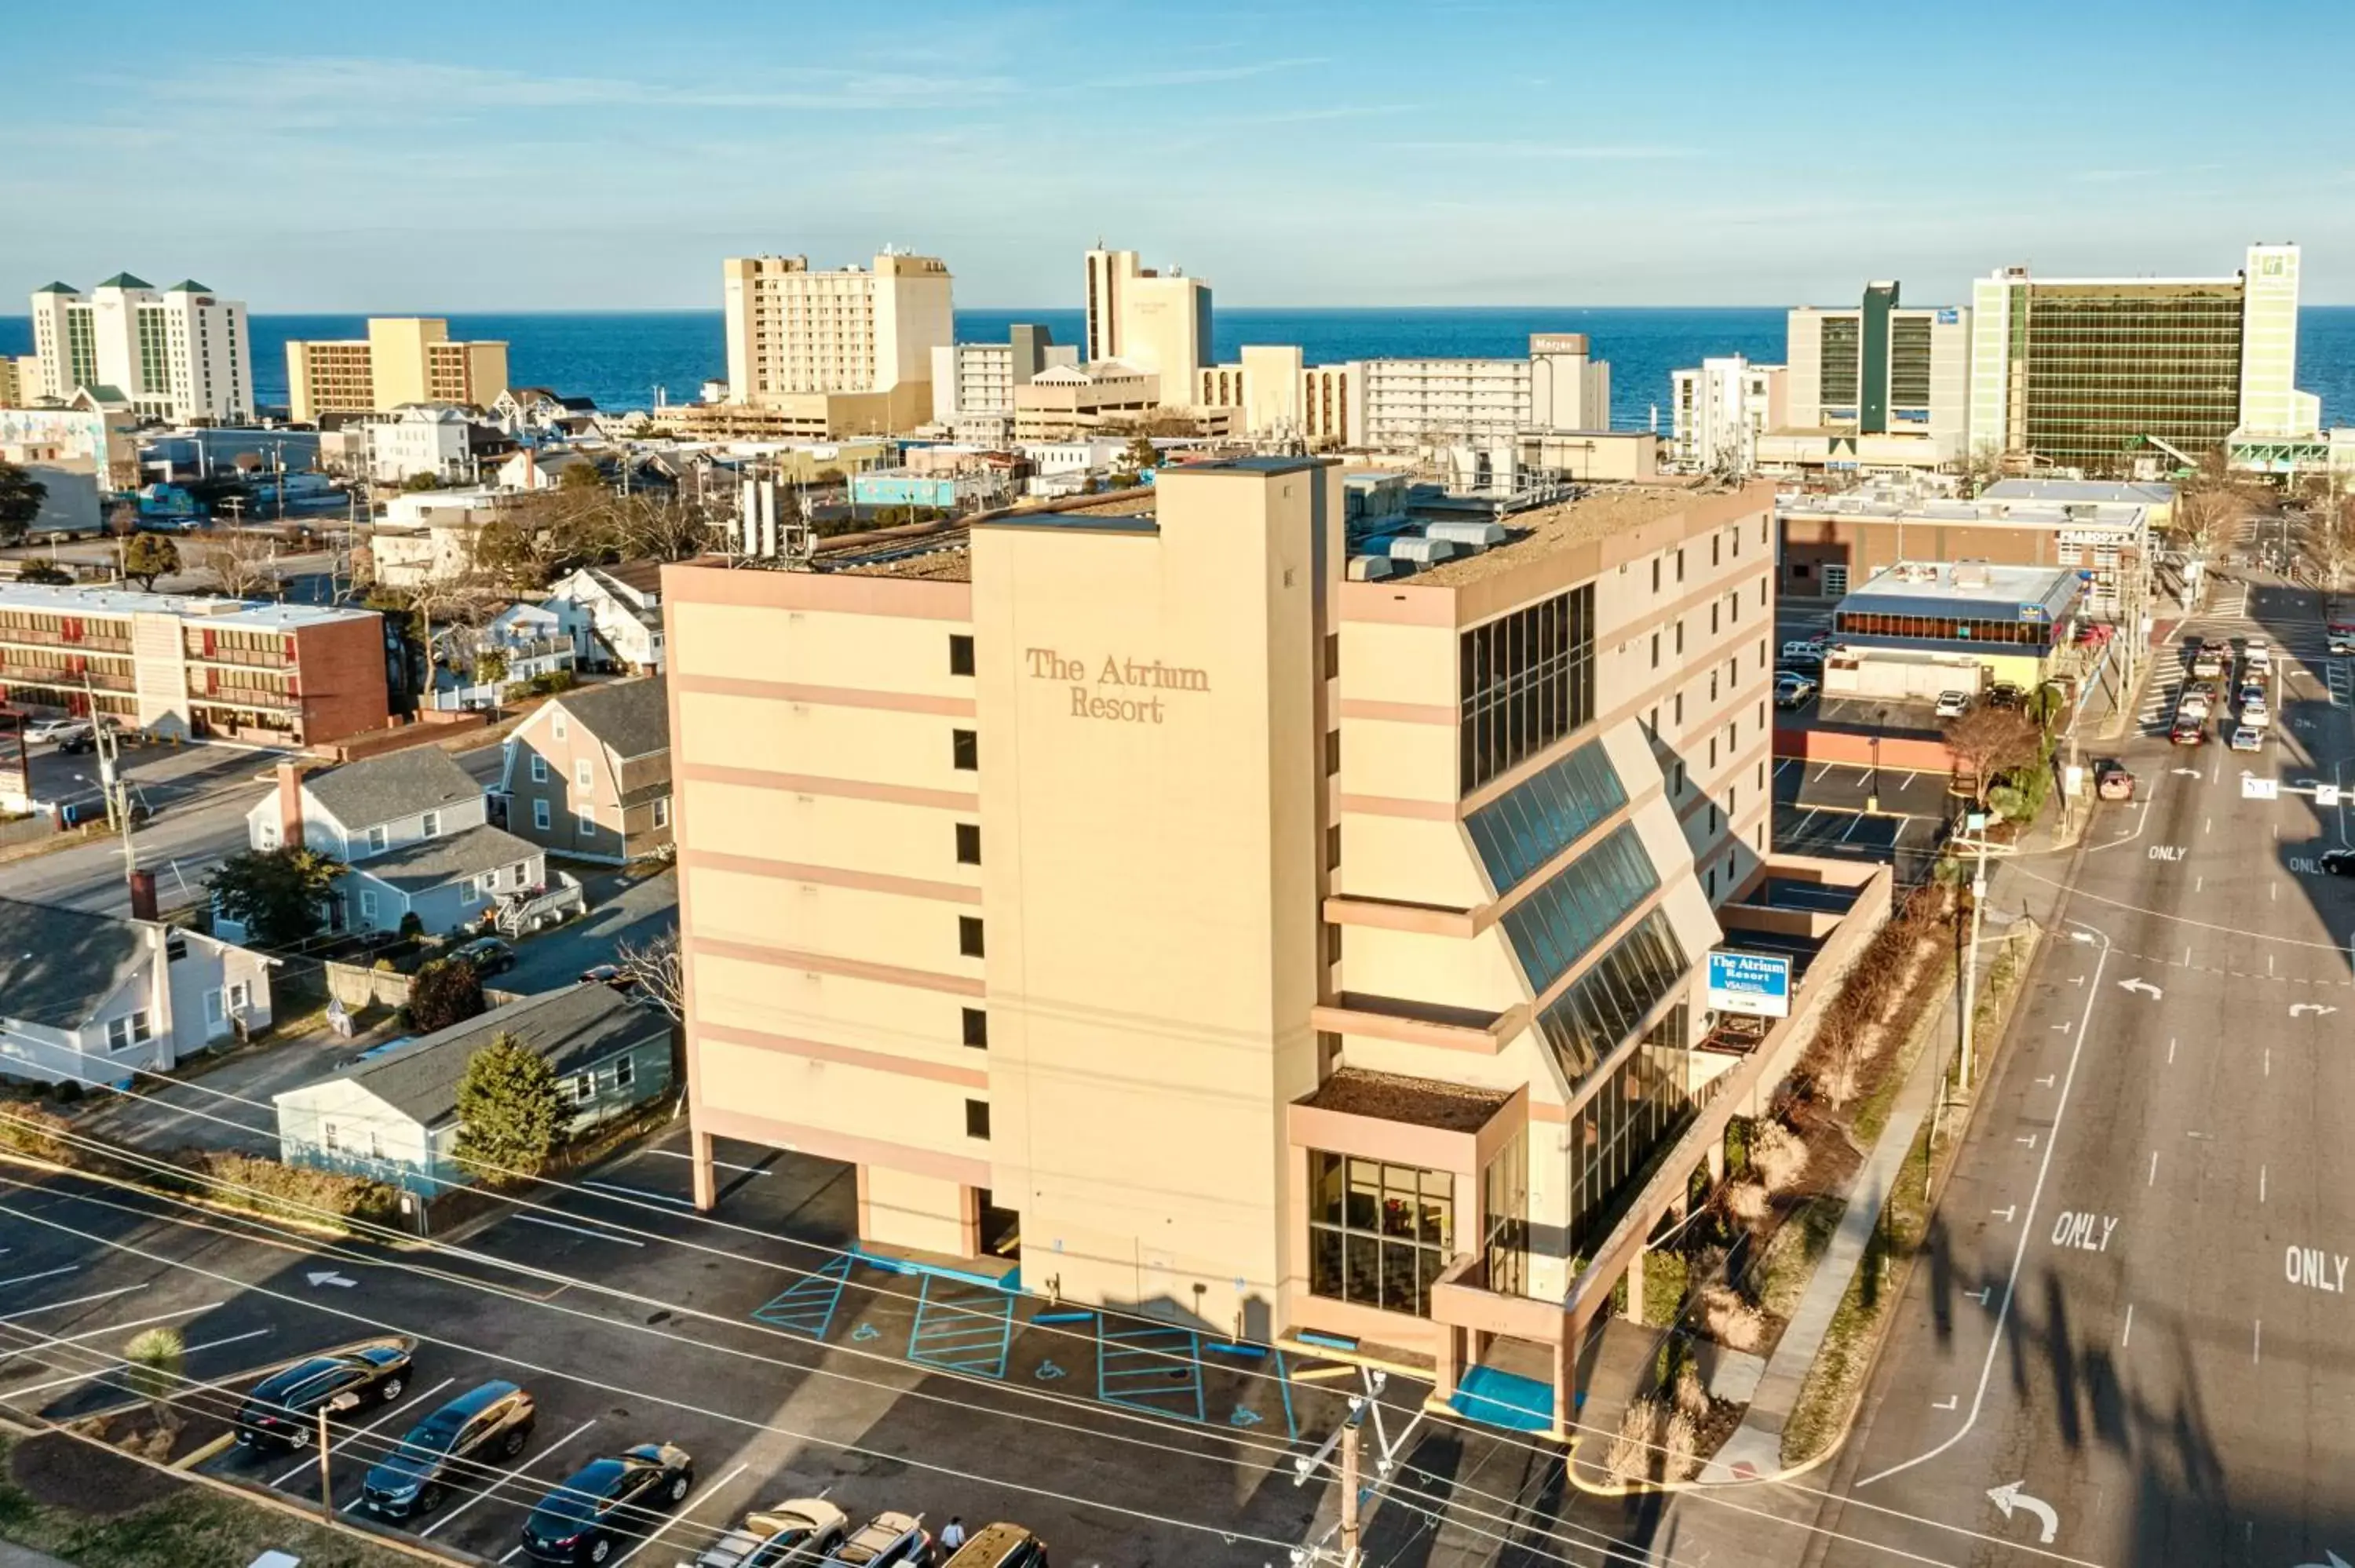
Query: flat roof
x,y
946,557
2095,490
262,613
1598,514
1916,585
1419,1102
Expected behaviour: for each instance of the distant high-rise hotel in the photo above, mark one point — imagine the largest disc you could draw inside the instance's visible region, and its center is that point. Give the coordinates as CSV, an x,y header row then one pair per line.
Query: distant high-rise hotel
x,y
181,353
1148,320
2087,371
403,359
842,352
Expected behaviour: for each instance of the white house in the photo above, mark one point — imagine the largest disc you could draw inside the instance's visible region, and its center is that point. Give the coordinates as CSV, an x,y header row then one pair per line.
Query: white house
x,y
623,606
422,437
536,410
91,998
412,829
536,639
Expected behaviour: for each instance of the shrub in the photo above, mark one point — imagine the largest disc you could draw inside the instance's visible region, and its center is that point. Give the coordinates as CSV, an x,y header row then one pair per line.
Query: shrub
x,y
444,992
1746,1202
29,1129
65,1091
412,926
1691,1397
1730,1321
1777,1156
1679,1446
294,1192
1633,1447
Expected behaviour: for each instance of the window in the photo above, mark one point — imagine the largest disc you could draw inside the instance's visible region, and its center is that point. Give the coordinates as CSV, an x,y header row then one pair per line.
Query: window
x,y
1554,928
584,822
1681,637
558,728
375,1144
121,1033
976,1119
539,815
1712,620
969,935
965,750
968,843
1525,679
976,1028
662,811
625,1072
1835,582
1332,846
377,838
1676,783
582,777
240,996
1655,574
327,1137
1716,550
1505,1217
538,768
1332,655
1681,707
1762,591
430,824
1378,1235
269,836
579,1088
960,653
1656,650
1332,752
1681,563
368,902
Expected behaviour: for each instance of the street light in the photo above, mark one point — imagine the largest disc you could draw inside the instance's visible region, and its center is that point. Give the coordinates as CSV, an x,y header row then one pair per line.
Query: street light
x,y
335,1407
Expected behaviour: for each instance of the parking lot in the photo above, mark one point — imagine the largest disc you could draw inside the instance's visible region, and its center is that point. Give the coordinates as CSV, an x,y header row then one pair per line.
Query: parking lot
x,y
1900,815
788,1368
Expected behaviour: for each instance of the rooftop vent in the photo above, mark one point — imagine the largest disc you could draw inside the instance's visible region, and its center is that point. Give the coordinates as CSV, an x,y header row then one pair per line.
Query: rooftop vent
x,y
1426,551
1377,569
1476,535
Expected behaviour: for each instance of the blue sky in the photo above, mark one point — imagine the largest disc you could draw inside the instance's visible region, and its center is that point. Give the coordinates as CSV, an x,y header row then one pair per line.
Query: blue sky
x,y
329,157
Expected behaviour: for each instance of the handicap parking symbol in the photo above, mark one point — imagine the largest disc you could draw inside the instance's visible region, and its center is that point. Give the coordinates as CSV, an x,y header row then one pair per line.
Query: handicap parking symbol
x,y
1048,1370
1243,1416
866,1331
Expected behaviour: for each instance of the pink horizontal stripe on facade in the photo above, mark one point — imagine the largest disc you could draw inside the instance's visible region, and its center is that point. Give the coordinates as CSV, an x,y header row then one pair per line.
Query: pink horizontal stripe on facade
x,y
826,696
827,964
1397,712
829,876
848,1056
828,1144
813,784
1395,806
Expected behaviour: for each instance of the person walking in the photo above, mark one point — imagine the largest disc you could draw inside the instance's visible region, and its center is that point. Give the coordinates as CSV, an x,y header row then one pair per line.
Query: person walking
x,y
953,1533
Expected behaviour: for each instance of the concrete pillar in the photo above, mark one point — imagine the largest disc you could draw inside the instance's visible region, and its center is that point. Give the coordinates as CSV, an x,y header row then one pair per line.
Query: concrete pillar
x,y
1443,1373
698,1154
1716,1160
1565,1370
1635,1278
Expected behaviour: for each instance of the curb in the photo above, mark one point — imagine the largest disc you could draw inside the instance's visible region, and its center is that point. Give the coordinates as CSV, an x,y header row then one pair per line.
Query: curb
x,y
189,1461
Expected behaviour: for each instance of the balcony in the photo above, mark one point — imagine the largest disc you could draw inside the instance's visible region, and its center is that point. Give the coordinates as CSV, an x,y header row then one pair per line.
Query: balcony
x,y
261,698
253,657
16,673
50,637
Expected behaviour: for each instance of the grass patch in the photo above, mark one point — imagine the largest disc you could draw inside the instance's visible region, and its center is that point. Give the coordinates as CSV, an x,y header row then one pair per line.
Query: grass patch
x,y
1663,1286
1872,1111
1790,1257
193,1525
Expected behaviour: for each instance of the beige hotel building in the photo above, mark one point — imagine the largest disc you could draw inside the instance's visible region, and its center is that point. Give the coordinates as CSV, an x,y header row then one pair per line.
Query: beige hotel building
x,y
1132,885
403,359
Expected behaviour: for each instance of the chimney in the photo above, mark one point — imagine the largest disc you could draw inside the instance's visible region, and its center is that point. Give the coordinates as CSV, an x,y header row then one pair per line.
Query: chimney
x,y
143,894
290,804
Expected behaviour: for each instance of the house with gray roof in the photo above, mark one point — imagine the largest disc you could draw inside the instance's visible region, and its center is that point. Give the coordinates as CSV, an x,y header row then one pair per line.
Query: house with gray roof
x,y
96,999
588,775
393,1113
413,831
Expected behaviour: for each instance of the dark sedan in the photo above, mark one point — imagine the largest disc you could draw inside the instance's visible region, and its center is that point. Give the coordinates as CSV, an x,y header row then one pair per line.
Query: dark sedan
x,y
283,1410
607,1501
449,1448
2339,861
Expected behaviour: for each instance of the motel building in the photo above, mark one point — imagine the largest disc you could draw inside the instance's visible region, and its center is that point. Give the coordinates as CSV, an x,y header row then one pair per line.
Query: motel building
x,y
1161,893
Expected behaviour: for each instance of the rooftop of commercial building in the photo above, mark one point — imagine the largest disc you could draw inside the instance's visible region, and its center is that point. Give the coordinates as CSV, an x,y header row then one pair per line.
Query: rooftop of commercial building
x,y
1419,1102
936,554
2080,490
1595,513
1964,582
260,614
1992,510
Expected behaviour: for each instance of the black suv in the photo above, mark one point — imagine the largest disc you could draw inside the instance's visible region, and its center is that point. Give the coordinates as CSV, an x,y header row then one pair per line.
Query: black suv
x,y
493,1421
606,1500
283,1407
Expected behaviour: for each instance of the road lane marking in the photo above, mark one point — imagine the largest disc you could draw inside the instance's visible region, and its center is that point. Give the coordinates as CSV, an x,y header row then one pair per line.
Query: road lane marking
x,y
111,1368
2020,1249
749,1170
77,1301
45,1274
2170,1049
52,1341
576,1230
2153,1178
2127,1338
2260,1183
505,1478
2257,1341
2077,1228
2315,1268
311,1463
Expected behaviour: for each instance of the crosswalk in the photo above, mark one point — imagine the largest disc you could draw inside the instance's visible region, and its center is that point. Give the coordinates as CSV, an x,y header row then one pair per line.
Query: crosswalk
x,y
2300,648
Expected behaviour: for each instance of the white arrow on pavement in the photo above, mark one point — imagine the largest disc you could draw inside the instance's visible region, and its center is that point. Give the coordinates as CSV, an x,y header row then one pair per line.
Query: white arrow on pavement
x,y
2335,1562
2187,772
2009,1496
317,1278
2300,1009
2142,985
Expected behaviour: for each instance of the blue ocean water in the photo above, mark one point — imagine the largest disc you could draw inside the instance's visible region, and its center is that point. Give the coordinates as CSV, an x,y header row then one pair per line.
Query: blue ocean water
x,y
619,357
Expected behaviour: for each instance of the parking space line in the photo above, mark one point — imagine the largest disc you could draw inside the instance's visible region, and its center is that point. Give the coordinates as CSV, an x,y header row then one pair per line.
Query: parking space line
x,y
311,1463
113,1367
638,1193
1852,827
109,1329
77,1301
45,1274
722,1164
497,1481
576,1230
710,1491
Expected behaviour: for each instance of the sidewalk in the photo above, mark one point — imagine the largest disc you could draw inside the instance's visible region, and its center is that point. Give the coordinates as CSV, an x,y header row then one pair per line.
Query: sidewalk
x,y
12,1556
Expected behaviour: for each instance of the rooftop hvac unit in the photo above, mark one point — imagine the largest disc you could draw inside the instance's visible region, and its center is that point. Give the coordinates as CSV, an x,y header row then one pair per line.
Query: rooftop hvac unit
x,y
1375,569
1970,574
1478,535
1425,551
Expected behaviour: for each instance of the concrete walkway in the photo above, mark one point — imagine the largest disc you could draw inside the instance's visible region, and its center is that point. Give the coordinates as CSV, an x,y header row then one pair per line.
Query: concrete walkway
x,y
13,1556
1756,1446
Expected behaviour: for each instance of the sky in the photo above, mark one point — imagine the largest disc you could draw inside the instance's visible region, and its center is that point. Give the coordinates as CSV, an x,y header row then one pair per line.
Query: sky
x,y
607,155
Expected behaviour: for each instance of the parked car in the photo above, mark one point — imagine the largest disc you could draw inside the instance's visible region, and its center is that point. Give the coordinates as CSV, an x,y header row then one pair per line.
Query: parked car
x,y
44,731
797,1531
1793,691
494,1420
2247,737
1953,705
606,1501
2342,639
283,1410
885,1541
2339,861
1000,1546
2254,711
1807,654
486,955
2186,731
2006,695
2112,781
613,975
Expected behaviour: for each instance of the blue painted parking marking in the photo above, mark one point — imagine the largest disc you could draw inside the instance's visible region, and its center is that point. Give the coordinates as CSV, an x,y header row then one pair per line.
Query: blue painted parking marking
x,y
961,1326
1152,1368
808,1305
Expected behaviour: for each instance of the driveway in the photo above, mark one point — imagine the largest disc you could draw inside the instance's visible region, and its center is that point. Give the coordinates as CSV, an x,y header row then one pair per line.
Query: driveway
x,y
623,908
226,1104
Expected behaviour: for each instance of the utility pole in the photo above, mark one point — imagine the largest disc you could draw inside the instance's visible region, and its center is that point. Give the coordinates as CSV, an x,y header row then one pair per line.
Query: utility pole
x,y
335,1407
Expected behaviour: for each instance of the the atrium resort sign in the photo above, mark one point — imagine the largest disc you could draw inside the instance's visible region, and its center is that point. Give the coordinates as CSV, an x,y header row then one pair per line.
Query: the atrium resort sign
x,y
1121,691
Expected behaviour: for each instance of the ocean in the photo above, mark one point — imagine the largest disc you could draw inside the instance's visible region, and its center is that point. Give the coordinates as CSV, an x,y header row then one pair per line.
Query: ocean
x,y
621,357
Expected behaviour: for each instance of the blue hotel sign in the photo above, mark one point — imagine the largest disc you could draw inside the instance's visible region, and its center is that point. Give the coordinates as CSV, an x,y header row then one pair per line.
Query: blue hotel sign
x,y
1754,983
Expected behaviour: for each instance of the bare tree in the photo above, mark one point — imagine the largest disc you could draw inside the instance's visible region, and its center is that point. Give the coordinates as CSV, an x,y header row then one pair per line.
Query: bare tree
x,y
240,563
1991,741
2330,538
656,965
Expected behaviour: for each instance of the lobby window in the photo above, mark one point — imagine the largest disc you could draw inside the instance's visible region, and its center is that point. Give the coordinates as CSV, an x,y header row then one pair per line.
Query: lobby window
x,y
1378,1234
965,750
1505,1218
976,1119
976,1028
960,653
969,935
968,843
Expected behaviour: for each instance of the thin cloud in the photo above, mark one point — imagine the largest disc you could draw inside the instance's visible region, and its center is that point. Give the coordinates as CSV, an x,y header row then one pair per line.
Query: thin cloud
x,y
1199,74
1567,152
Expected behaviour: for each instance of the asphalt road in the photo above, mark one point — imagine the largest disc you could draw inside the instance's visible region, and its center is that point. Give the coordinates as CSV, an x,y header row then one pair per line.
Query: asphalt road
x,y
2135,1310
